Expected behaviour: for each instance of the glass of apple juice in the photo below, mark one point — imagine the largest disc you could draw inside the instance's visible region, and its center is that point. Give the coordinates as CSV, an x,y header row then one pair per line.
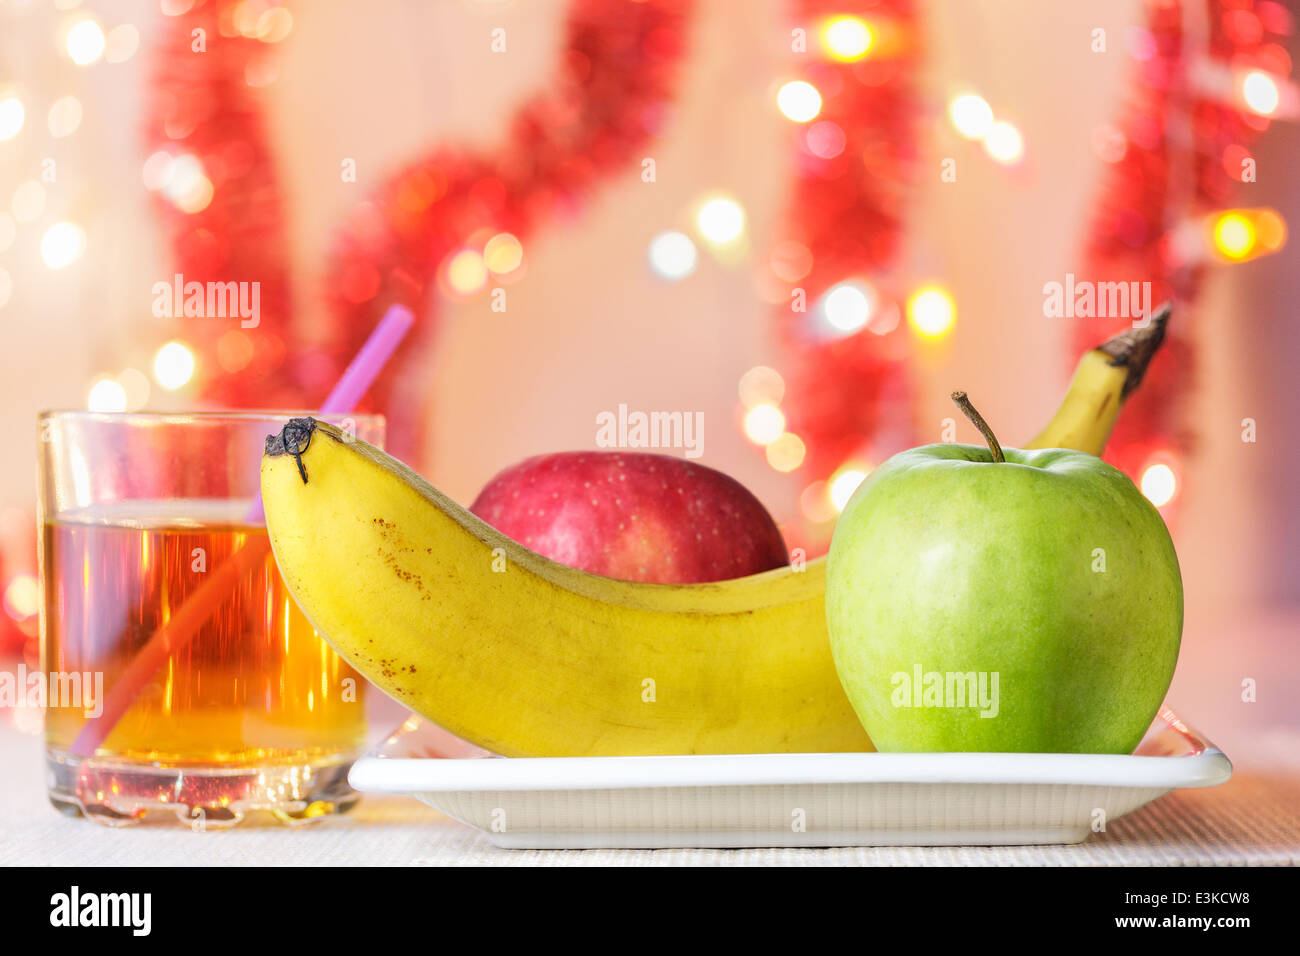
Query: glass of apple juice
x,y
180,674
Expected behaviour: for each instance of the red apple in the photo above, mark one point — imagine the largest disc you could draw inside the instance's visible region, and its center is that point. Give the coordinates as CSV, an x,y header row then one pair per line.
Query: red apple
x,y
635,516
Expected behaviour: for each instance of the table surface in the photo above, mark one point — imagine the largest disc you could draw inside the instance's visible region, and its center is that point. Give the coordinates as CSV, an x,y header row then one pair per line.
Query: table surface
x,y
1253,819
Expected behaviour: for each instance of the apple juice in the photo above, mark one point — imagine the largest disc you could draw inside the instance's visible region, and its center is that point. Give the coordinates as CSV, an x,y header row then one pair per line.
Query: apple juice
x,y
255,685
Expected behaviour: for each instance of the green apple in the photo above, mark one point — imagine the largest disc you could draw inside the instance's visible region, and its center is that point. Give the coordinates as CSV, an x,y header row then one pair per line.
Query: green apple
x,y
1031,604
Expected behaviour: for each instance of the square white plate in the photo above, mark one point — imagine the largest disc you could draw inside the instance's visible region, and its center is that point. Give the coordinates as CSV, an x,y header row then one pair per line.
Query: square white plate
x,y
790,800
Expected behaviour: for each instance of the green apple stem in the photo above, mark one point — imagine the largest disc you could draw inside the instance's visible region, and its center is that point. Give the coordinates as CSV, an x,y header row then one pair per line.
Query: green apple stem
x,y
978,421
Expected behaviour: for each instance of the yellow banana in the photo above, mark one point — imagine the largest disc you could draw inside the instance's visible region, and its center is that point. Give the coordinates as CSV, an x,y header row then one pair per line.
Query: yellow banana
x,y
1104,378
526,657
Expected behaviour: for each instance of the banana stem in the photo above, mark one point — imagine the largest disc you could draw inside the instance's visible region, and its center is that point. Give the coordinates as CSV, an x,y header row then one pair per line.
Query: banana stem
x,y
978,421
1134,349
293,440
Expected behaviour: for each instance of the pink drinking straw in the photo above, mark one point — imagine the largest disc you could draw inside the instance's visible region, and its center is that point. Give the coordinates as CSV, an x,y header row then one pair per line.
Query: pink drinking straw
x,y
194,613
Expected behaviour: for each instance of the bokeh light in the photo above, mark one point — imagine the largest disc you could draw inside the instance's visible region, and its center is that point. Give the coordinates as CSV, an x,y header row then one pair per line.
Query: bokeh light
x,y
22,597
106,395
121,43
85,43
173,365
62,244
244,17
503,254
825,139
157,170
764,424
761,384
971,115
799,101
846,39
844,482
721,220
1234,235
64,117
1260,93
672,255
135,386
6,286
186,183
815,503
790,260
786,452
12,115
1270,230
274,24
467,272
1159,484
1004,143
848,307
931,312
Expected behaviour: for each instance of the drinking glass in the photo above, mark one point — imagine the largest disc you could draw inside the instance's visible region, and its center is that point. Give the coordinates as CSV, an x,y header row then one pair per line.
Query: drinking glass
x,y
181,675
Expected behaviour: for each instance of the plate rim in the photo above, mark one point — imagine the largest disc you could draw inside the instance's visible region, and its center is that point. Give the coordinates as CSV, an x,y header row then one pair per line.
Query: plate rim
x,y
1202,764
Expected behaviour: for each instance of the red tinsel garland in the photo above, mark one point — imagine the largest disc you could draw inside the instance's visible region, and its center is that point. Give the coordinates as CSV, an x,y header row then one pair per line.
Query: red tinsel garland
x,y
205,112
202,106
615,80
844,221
1182,151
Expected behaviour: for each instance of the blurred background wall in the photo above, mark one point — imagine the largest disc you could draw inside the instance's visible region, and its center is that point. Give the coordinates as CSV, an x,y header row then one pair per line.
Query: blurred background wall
x,y
590,326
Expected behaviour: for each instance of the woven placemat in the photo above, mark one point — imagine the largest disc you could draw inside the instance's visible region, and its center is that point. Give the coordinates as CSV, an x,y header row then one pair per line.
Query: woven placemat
x,y
1254,819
